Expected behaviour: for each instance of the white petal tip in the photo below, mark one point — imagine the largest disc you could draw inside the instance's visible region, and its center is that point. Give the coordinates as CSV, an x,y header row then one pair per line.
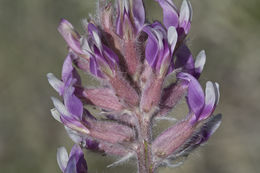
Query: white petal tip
x,y
62,157
185,11
60,107
55,82
200,60
56,115
210,93
172,37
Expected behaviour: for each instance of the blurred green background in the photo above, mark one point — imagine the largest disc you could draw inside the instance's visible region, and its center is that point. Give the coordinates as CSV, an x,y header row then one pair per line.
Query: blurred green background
x,y
30,47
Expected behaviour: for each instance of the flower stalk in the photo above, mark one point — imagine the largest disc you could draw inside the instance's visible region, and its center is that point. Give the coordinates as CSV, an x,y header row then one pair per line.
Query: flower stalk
x,y
133,60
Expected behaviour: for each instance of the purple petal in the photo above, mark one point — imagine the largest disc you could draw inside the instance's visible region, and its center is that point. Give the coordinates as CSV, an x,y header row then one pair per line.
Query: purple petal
x,y
184,59
76,154
160,28
171,67
91,145
111,57
82,165
157,49
163,61
76,151
71,37
67,68
105,65
94,68
152,47
72,166
76,76
129,13
170,14
92,28
69,73
138,13
123,17
76,163
120,16
72,103
195,96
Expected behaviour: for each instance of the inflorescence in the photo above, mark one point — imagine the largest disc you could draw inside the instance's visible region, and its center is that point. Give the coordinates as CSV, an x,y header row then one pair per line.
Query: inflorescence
x,y
133,60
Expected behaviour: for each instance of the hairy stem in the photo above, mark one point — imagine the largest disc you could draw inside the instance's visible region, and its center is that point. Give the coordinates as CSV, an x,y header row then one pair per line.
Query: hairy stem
x,y
144,153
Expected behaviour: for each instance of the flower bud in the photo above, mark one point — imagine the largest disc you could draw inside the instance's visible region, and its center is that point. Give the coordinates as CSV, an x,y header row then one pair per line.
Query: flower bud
x,y
171,139
104,98
124,90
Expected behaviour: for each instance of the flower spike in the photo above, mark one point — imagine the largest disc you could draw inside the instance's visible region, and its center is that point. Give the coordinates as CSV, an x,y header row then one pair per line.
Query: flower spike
x,y
143,70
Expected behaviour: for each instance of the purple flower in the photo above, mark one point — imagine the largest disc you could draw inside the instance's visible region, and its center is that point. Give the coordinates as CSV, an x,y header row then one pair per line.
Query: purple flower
x,y
71,36
74,117
181,20
182,138
130,18
72,163
184,135
143,71
157,50
184,60
201,106
69,76
103,60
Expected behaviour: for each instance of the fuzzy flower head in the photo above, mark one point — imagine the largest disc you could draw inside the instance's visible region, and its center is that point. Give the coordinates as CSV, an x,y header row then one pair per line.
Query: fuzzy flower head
x,y
144,69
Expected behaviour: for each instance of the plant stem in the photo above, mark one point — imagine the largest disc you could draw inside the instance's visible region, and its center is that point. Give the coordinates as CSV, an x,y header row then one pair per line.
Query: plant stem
x,y
144,153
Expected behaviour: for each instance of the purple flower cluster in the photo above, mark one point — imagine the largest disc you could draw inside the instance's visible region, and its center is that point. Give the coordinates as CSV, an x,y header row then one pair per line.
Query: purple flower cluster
x,y
133,60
